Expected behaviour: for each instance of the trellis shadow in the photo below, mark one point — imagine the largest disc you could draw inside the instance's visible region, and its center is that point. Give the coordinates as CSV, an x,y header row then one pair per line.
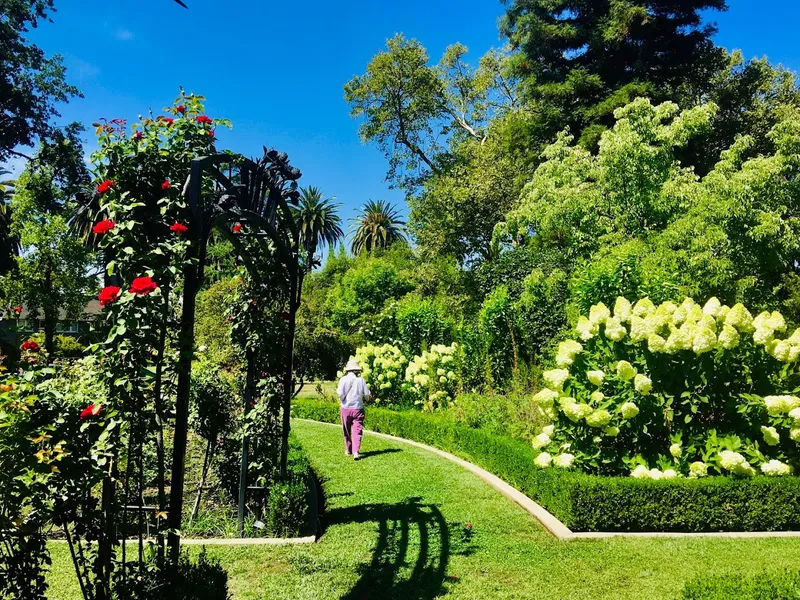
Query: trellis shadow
x,y
401,527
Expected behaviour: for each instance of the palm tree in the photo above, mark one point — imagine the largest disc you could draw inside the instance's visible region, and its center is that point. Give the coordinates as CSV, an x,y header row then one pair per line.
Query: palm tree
x,y
317,221
378,226
9,244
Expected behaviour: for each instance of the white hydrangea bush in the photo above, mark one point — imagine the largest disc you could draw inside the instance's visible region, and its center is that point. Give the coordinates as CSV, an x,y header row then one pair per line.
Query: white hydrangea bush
x,y
431,377
384,367
675,390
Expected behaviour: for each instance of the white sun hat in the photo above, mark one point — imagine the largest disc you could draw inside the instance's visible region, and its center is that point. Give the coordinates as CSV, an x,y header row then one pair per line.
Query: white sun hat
x,y
352,365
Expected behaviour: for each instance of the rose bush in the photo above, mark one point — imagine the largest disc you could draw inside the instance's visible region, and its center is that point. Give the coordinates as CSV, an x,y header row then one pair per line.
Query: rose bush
x,y
673,390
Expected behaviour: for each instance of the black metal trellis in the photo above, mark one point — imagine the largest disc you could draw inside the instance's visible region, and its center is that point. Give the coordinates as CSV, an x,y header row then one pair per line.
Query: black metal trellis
x,y
261,198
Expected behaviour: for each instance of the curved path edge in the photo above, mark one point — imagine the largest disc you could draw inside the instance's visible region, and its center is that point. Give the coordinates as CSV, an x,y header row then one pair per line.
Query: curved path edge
x,y
547,519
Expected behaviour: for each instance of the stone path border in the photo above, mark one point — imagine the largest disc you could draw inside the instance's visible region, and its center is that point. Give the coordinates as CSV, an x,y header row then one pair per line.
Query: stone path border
x,y
549,521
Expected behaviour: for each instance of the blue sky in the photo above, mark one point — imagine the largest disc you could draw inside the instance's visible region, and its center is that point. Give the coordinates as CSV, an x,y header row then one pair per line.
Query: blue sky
x,y
277,68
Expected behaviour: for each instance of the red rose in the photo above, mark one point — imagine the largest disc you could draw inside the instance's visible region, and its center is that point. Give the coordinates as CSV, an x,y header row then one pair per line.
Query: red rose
x,y
178,228
252,404
30,346
143,286
138,136
91,411
204,120
181,109
17,309
227,319
237,228
109,294
253,302
165,185
105,186
104,226
167,120
211,133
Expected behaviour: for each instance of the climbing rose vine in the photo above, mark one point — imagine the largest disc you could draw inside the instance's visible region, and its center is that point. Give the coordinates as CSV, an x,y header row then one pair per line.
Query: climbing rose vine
x,y
673,390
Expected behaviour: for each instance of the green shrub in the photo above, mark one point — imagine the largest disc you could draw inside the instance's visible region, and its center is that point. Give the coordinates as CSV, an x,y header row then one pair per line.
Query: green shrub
x,y
594,503
287,508
767,586
66,345
421,323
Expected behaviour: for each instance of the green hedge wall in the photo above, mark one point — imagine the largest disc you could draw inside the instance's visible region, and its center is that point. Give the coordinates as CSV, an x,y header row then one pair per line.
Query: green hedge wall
x,y
775,586
591,503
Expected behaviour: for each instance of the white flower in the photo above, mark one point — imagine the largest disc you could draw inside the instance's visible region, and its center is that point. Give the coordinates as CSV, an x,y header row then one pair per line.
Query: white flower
x,y
543,460
596,377
564,461
639,329
586,328
728,337
641,472
541,440
599,418
567,351
778,405
615,330
548,430
712,306
655,474
735,463
698,469
643,307
440,372
599,313
740,318
771,436
704,340
794,434
642,384
629,410
612,431
622,309
575,412
656,343
545,397
597,397
795,414
625,370
781,351
669,474
555,378
763,336
776,468
776,321
676,450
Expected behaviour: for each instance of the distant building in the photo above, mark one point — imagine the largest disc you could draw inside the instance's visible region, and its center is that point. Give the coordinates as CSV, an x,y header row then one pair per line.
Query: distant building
x,y
29,325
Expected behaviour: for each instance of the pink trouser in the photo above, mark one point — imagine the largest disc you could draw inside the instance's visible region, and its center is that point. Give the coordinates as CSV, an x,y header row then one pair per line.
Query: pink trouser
x,y
352,426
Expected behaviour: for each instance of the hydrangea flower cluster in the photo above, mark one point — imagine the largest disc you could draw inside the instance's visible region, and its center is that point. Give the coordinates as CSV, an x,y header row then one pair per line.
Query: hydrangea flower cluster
x,y
383,370
432,378
633,384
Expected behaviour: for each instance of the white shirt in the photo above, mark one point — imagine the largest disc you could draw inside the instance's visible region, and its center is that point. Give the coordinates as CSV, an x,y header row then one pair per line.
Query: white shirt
x,y
352,391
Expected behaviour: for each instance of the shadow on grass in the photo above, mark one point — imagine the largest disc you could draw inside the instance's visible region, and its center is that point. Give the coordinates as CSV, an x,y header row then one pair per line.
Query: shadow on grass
x,y
369,453
409,533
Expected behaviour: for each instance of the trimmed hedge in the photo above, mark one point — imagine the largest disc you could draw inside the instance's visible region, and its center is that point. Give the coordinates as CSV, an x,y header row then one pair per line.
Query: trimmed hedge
x,y
778,586
592,503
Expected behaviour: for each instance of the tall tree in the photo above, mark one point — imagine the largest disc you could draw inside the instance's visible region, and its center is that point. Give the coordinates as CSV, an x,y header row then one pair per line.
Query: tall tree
x,y
9,244
378,226
318,222
31,83
581,60
54,275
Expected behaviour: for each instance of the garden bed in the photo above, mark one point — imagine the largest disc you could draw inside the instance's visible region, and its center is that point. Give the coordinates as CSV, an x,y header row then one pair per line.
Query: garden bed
x,y
592,503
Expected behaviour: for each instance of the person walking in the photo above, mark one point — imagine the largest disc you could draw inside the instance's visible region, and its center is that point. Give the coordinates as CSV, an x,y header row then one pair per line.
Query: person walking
x,y
352,392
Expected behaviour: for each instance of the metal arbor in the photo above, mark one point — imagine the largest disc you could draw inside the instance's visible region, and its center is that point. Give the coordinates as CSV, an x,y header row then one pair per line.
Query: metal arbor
x,y
258,193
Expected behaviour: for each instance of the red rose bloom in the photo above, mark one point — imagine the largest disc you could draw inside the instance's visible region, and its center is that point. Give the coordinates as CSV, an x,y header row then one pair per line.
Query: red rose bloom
x,y
17,309
91,411
143,286
237,228
138,136
30,346
211,133
109,294
227,319
105,186
178,228
104,227
285,316
181,109
204,120
165,185
167,120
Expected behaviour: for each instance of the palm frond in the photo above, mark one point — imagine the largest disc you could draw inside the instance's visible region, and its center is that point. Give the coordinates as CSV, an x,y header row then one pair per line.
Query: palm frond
x,y
377,226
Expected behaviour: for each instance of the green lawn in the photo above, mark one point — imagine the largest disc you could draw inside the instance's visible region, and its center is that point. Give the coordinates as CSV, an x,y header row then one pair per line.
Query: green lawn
x,y
396,529
311,390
